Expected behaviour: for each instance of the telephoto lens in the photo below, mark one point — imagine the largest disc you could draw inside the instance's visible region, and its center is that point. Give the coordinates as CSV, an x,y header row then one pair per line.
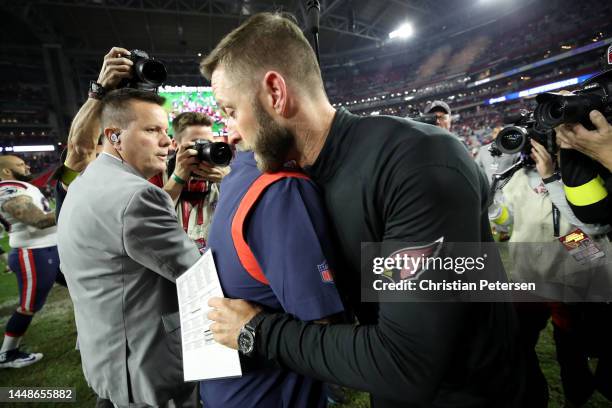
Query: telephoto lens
x,y
555,109
215,153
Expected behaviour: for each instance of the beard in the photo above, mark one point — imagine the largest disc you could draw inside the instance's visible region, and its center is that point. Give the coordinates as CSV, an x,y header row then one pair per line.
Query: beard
x,y
22,177
272,142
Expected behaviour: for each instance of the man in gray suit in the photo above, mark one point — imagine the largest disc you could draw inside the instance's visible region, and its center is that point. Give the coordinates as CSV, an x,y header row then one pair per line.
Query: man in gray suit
x,y
121,249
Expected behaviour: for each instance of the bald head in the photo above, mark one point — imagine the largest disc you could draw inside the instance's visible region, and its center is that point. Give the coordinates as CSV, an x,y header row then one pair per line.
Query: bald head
x,y
14,168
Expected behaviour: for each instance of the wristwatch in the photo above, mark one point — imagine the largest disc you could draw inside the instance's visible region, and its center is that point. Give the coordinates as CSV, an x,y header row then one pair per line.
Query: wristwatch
x,y
96,91
247,335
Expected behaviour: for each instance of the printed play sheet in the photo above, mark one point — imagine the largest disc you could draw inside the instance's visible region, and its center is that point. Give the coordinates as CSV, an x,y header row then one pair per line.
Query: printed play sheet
x,y
203,358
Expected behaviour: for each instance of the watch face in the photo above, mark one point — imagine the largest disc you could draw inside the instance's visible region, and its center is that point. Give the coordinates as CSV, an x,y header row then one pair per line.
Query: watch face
x,y
245,342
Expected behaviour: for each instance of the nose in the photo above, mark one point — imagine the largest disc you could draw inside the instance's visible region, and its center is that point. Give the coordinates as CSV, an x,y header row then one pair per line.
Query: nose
x,y
165,139
234,138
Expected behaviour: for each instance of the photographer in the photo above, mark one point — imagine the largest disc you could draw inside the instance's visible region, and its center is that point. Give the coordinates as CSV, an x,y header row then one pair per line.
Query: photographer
x,y
442,112
192,184
533,203
84,138
597,144
587,163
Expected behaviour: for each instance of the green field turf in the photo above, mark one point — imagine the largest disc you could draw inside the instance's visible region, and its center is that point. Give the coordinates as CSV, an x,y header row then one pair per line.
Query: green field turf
x,y
53,333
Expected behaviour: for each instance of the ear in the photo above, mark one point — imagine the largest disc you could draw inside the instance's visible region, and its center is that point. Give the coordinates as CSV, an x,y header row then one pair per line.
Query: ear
x,y
108,132
174,144
276,92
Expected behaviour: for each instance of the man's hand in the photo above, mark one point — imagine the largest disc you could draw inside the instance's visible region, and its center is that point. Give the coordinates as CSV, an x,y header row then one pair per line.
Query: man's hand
x,y
541,157
114,68
186,161
210,173
85,127
596,144
230,315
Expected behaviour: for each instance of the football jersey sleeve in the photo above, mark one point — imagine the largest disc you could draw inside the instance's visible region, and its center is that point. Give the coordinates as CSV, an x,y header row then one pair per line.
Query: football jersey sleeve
x,y
10,190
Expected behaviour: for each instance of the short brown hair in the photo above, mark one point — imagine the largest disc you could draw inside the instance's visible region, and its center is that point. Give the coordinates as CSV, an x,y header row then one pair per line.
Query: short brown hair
x,y
116,105
266,41
186,119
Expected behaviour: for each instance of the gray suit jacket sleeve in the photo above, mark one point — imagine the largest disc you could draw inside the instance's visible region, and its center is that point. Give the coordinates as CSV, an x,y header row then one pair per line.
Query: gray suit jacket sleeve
x,y
153,237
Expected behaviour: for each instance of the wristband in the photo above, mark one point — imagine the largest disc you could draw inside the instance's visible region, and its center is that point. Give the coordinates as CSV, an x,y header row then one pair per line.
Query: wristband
x,y
177,179
552,178
68,175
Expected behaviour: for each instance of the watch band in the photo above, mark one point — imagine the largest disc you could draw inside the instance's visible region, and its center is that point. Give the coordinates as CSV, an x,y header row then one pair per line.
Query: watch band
x,y
96,91
253,324
248,333
554,177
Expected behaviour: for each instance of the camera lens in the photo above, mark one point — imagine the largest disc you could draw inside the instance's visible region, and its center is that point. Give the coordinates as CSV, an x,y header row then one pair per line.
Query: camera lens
x,y
556,110
511,139
221,154
153,71
552,113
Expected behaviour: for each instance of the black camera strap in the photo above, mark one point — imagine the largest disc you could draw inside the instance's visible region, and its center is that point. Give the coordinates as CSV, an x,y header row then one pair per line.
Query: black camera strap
x,y
556,221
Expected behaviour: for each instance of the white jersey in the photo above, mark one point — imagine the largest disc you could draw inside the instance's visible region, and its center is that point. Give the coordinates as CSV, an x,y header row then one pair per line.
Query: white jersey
x,y
22,235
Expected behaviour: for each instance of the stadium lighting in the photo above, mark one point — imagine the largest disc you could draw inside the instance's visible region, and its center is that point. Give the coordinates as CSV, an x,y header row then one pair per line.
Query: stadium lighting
x,y
404,31
39,148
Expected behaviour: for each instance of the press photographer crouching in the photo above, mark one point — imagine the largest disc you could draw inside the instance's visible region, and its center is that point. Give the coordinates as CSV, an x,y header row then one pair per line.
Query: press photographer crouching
x,y
194,173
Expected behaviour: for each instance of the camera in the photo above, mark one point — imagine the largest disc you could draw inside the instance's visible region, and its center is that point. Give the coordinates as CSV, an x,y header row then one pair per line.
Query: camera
x,y
430,119
215,153
514,138
148,74
555,109
418,116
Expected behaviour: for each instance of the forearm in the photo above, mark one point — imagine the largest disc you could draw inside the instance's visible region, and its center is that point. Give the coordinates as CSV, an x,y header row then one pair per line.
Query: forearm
x,y
25,211
45,221
385,359
84,134
173,189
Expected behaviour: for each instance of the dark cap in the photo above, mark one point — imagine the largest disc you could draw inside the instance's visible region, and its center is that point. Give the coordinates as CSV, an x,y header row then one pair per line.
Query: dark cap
x,y
437,105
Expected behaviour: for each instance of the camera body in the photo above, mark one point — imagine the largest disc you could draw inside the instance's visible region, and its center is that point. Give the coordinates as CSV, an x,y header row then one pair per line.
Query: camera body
x,y
515,137
430,119
148,74
213,153
555,109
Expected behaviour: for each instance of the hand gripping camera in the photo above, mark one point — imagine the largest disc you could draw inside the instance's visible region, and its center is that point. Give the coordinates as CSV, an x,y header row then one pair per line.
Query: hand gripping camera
x,y
148,74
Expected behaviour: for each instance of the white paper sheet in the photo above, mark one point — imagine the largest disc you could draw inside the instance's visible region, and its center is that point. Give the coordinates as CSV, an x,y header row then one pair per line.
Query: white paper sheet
x,y
203,358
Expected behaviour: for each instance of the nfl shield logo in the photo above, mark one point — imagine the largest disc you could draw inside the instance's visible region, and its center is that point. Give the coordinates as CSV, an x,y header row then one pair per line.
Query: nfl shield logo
x,y
326,274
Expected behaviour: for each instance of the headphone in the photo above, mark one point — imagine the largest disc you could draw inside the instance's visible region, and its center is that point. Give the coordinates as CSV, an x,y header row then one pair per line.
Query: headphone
x,y
114,138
